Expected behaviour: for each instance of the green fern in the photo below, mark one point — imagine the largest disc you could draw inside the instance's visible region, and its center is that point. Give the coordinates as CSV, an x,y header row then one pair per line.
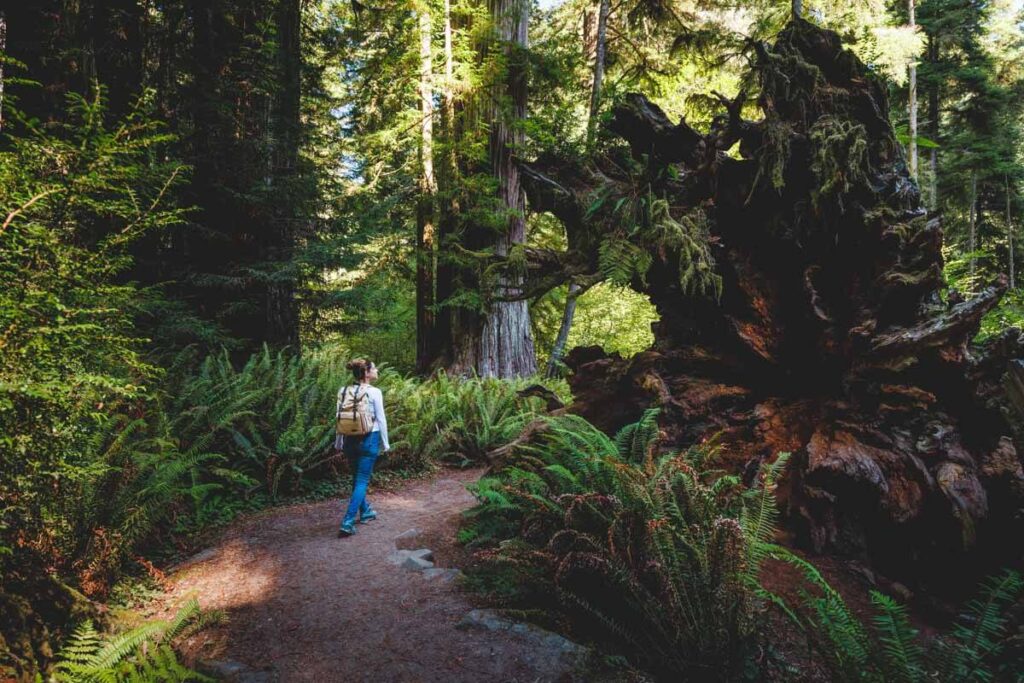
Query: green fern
x,y
142,655
634,441
901,654
759,515
967,653
890,651
645,554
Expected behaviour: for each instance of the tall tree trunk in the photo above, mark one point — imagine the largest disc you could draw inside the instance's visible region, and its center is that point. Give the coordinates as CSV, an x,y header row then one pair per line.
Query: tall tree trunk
x,y
599,58
933,129
972,238
797,6
558,349
425,205
499,342
282,308
1009,232
913,100
3,55
448,206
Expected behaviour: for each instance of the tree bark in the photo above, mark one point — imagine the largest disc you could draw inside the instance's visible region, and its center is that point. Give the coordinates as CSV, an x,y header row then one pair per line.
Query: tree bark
x,y
282,308
563,331
972,235
912,96
498,342
595,106
599,59
3,55
933,129
448,205
1009,233
425,246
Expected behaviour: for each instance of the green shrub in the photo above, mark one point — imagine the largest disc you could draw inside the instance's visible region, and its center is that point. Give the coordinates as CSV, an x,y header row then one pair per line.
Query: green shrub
x,y
460,420
653,556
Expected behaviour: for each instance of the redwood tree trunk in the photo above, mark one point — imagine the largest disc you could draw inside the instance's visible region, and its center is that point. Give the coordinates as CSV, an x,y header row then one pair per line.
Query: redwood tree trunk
x,y
448,206
600,47
498,342
282,308
563,331
972,235
425,247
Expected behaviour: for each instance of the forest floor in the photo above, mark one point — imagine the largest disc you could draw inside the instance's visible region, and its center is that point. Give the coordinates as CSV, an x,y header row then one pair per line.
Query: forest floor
x,y
304,605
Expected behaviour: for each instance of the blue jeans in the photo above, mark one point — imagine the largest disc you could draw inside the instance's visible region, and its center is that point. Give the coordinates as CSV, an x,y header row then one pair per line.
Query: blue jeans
x,y
362,452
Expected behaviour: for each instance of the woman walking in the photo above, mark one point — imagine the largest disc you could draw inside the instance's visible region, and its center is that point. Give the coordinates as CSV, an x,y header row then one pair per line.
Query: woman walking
x,y
362,436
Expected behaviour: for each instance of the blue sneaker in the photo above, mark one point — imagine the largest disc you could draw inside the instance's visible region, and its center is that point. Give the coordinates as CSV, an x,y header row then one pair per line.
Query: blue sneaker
x,y
346,530
368,516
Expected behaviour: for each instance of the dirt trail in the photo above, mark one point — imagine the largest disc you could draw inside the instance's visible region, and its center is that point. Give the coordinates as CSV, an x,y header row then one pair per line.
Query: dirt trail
x,y
304,605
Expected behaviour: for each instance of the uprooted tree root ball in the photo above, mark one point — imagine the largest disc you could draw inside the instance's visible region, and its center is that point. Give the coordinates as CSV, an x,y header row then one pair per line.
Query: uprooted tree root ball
x,y
821,327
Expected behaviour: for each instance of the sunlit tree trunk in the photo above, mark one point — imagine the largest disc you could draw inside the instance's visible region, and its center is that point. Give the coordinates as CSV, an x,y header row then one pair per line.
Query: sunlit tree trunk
x,y
599,59
913,100
425,205
3,53
498,341
563,331
448,206
972,237
1009,232
933,129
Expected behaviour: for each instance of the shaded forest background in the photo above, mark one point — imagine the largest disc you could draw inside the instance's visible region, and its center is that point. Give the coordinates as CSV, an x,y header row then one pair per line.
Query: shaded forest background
x,y
317,145
208,205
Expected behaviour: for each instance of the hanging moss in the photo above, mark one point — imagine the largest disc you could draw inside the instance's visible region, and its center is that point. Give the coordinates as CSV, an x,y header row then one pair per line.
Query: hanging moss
x,y
840,157
774,153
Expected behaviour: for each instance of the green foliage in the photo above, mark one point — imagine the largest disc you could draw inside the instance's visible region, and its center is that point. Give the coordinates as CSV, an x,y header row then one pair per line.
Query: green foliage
x,y
650,555
889,649
460,419
76,196
977,639
140,655
641,223
840,156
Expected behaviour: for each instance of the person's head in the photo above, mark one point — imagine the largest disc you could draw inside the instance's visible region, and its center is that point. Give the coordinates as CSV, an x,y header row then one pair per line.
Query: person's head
x,y
363,370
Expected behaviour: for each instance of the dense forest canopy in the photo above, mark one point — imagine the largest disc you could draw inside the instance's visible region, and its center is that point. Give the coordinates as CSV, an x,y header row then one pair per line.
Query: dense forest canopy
x,y
788,226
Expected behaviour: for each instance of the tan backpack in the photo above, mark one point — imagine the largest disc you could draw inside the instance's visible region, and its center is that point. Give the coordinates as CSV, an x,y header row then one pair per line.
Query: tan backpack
x,y
354,414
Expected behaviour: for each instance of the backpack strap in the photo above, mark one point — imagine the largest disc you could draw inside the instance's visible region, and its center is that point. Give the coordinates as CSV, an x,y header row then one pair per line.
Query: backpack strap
x,y
344,394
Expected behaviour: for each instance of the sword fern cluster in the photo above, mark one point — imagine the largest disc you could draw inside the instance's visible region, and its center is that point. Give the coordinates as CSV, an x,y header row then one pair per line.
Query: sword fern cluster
x,y
655,556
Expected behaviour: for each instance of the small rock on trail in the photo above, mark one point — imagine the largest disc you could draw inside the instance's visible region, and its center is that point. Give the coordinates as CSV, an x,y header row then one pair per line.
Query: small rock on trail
x,y
304,605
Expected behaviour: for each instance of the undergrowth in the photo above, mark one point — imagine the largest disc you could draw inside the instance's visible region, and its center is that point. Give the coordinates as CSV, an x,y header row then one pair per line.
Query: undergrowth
x,y
657,557
144,654
653,556
152,474
889,648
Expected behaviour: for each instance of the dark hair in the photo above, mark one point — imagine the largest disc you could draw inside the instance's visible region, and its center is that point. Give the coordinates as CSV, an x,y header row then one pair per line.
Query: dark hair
x,y
359,367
